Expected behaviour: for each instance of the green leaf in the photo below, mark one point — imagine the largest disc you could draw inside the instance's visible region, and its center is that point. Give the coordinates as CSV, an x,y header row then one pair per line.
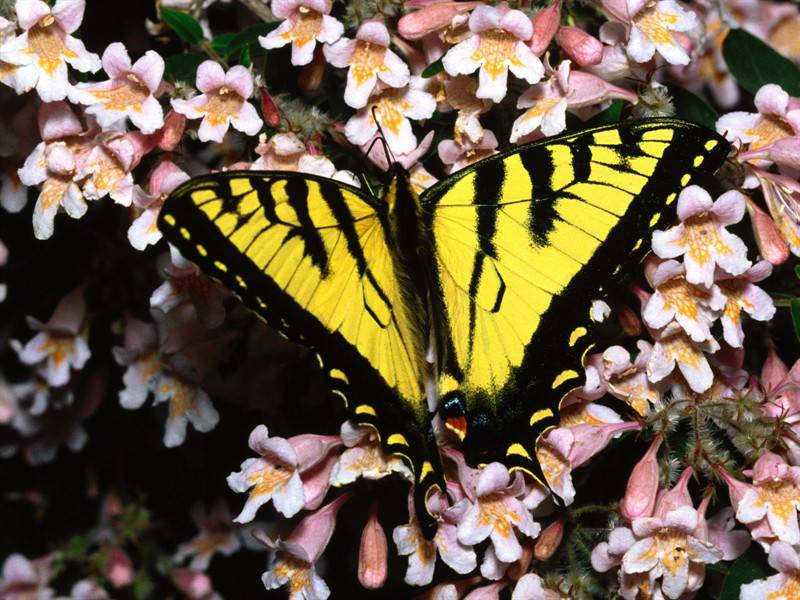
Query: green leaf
x,y
610,115
183,67
754,63
249,36
748,567
221,43
691,107
433,68
184,24
797,271
244,57
794,308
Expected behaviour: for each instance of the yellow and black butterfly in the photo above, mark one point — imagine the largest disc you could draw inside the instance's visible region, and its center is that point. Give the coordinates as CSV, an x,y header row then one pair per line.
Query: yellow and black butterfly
x,y
493,269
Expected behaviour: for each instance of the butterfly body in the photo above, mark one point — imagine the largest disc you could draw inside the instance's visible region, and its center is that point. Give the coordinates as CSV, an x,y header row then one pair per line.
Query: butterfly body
x,y
489,274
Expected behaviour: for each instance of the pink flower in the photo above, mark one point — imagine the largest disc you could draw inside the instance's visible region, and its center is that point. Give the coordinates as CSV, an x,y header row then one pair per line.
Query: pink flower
x,y
782,195
129,93
498,44
771,244
422,552
674,348
652,26
195,584
431,18
460,95
276,475
22,579
163,180
222,103
497,513
393,109
87,590
701,236
367,59
215,534
742,295
546,23
771,133
61,342
106,169
532,587
187,404
585,429
364,457
784,559
285,152
692,307
613,372
45,47
774,496
459,155
294,558
304,23
547,102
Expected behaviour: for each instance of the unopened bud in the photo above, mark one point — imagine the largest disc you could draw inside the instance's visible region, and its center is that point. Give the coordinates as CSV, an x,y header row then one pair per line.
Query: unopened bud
x,y
268,109
372,555
640,494
549,540
582,48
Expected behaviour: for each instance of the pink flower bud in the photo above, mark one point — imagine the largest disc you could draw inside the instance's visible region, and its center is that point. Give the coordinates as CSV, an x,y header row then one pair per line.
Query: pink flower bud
x,y
582,48
311,75
119,568
640,494
770,243
169,136
545,25
736,489
675,498
314,532
629,320
430,18
372,554
549,540
195,584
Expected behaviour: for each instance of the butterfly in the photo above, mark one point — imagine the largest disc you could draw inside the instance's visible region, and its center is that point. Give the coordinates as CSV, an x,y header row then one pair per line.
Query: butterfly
x,y
474,295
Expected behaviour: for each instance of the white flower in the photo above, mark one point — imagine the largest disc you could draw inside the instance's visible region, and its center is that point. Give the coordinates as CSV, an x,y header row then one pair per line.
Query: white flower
x,y
652,24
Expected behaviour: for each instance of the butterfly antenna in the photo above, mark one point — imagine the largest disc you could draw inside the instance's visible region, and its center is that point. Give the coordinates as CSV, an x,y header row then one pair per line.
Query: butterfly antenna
x,y
389,156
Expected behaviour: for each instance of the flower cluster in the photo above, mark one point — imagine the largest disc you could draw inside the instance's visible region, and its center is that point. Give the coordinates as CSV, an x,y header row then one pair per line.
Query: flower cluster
x,y
691,377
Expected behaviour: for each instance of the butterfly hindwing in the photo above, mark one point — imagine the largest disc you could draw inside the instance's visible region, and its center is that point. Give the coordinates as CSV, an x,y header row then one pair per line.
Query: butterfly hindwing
x,y
545,227
310,256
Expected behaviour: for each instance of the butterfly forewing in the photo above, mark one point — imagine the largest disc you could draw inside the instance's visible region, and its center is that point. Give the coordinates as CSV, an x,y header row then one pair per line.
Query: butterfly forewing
x,y
310,256
543,229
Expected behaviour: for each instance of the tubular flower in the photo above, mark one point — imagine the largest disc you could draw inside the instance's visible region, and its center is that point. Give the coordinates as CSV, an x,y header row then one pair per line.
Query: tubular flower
x,y
215,534
222,102
129,93
652,26
701,236
305,23
743,295
45,47
164,179
673,347
367,59
498,44
187,404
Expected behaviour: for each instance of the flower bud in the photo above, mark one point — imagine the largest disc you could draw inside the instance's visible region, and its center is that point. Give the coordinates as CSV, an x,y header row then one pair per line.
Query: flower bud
x,y
582,48
549,540
629,320
545,25
311,75
770,243
372,554
171,133
119,568
640,494
272,117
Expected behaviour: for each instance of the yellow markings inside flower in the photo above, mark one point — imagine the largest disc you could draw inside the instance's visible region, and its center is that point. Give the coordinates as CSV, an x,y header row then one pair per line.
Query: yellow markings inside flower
x,y
45,42
654,23
59,347
672,546
495,49
677,296
268,478
542,106
306,28
130,94
53,189
768,130
208,542
181,400
298,574
679,348
782,496
495,513
389,108
701,236
222,104
367,61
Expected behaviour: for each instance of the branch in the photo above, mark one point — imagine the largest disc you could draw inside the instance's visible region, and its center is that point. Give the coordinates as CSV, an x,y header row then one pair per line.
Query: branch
x,y
259,9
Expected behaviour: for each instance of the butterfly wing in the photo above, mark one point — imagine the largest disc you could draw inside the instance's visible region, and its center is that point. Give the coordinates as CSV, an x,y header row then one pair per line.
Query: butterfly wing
x,y
543,228
310,256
